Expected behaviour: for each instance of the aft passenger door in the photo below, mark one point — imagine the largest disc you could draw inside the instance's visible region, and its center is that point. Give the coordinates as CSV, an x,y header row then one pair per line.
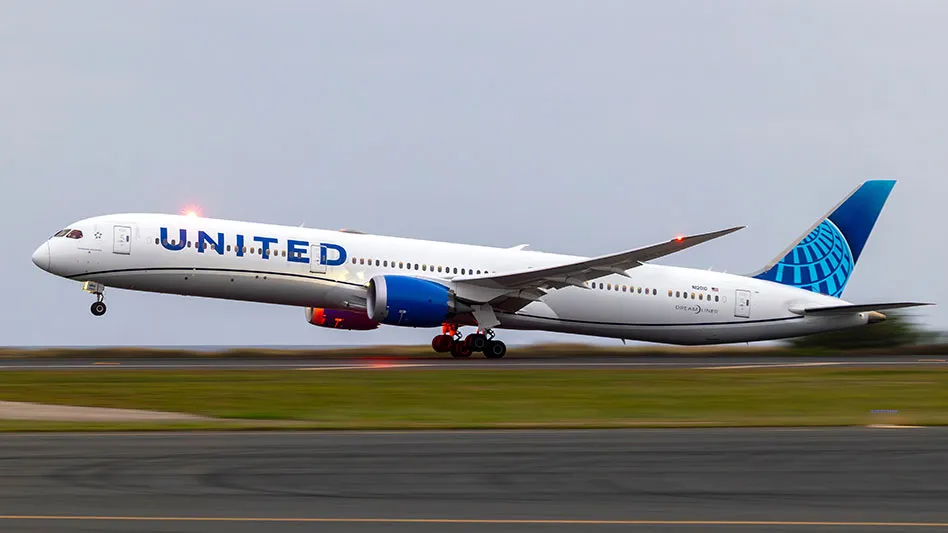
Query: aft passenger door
x,y
122,240
742,304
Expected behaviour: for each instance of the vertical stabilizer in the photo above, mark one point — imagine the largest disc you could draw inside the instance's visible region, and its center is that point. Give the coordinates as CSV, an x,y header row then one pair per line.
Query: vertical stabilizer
x,y
823,259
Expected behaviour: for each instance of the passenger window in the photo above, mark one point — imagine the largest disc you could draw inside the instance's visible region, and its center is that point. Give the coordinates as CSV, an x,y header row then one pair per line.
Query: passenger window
x,y
601,286
361,260
424,267
624,288
701,296
376,262
609,287
385,263
401,264
716,298
692,296
354,260
284,253
439,269
669,293
654,292
677,294
189,244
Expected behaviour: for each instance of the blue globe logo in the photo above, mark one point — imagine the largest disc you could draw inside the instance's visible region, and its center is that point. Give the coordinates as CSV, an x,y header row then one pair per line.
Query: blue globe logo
x,y
822,262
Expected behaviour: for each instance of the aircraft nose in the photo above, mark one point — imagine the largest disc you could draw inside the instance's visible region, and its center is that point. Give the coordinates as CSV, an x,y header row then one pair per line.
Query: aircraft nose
x,y
41,256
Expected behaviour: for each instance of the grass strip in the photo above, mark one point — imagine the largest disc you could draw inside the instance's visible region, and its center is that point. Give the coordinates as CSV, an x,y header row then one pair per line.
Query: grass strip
x,y
429,399
425,352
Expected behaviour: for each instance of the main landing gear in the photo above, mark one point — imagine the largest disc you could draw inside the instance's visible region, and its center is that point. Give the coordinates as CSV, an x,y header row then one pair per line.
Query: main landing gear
x,y
98,307
451,341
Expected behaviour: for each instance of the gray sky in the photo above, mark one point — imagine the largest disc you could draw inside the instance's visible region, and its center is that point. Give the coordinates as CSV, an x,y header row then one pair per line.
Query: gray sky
x,y
577,127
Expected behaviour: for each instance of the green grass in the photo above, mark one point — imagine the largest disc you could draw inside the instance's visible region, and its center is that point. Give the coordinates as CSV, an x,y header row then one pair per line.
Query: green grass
x,y
424,352
419,399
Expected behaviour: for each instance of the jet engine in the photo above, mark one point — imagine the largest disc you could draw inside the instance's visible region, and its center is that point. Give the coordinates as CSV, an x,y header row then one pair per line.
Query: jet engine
x,y
339,319
410,301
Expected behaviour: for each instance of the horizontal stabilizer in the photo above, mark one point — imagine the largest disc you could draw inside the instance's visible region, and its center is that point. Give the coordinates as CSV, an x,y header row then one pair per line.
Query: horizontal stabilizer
x,y
859,308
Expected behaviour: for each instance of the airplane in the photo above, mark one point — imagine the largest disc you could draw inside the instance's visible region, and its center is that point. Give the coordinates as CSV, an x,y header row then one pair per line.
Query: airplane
x,y
356,281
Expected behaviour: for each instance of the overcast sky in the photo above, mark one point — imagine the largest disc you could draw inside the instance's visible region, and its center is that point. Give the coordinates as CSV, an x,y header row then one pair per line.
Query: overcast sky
x,y
578,127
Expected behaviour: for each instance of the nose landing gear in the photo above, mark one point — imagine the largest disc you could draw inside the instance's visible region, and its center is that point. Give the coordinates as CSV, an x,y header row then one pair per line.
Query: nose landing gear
x,y
460,347
98,307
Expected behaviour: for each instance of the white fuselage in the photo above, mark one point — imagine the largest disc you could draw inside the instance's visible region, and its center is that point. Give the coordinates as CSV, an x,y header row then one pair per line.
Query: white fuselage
x,y
652,303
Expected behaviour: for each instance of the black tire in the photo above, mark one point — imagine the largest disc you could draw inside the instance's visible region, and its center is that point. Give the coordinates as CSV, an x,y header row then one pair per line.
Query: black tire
x,y
495,350
476,341
442,343
98,308
460,350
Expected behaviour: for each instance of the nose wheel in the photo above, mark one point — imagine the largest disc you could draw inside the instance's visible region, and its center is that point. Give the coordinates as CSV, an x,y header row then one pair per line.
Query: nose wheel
x,y
98,308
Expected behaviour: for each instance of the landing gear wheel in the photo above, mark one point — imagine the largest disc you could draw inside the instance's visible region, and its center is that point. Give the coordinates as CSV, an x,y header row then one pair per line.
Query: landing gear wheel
x,y
442,343
495,350
460,350
476,342
98,308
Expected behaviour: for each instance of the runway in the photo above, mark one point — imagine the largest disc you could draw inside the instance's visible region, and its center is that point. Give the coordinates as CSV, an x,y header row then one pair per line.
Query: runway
x,y
854,479
446,363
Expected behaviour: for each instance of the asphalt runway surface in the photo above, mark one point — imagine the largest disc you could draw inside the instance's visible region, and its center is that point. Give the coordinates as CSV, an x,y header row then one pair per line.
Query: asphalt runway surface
x,y
849,479
445,362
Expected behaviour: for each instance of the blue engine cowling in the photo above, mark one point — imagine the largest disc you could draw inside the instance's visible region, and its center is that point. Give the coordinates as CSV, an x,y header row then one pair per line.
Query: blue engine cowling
x,y
409,301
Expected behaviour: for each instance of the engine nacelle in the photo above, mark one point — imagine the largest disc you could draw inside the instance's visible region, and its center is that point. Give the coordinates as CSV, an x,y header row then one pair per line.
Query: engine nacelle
x,y
409,301
339,319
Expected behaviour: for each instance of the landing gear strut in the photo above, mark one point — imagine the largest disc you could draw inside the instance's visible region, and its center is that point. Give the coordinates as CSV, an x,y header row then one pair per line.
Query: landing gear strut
x,y
451,341
98,307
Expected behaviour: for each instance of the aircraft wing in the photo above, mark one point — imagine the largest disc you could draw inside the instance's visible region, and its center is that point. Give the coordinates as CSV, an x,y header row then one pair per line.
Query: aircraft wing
x,y
859,308
577,273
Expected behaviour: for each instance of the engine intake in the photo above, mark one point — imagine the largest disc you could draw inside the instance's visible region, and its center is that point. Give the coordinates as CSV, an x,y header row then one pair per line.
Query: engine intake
x,y
409,301
339,319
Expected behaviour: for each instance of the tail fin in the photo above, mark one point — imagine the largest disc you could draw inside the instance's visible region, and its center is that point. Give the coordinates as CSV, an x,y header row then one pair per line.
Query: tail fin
x,y
824,257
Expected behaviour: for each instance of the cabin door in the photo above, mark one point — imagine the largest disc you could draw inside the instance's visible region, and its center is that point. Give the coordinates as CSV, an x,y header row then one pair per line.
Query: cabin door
x,y
742,304
316,265
122,240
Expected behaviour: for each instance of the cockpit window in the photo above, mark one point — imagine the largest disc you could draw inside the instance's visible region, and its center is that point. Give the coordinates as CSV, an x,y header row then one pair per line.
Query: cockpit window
x,y
74,234
61,233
